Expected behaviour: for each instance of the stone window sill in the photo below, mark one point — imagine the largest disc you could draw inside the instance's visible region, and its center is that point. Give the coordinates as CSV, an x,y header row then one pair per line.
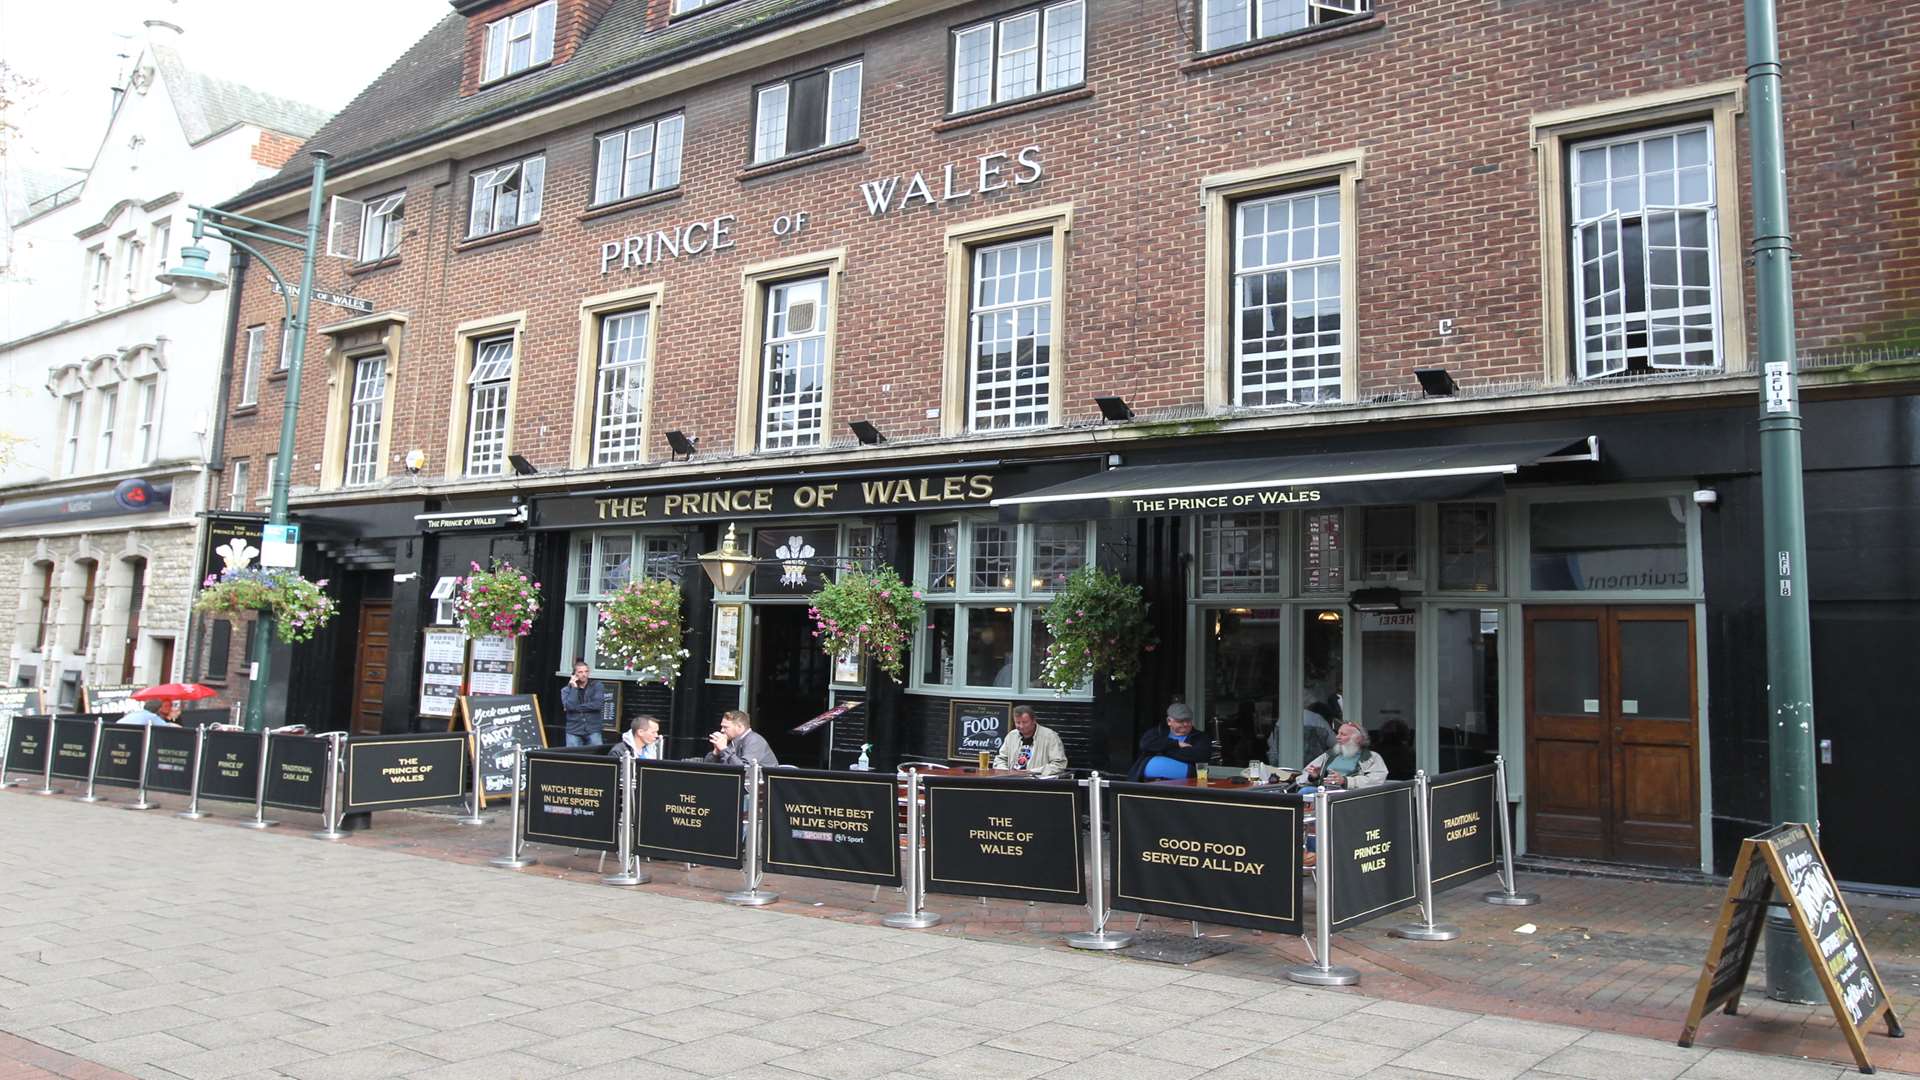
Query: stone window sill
x,y
797,161
245,410
1299,39
497,238
651,198
954,121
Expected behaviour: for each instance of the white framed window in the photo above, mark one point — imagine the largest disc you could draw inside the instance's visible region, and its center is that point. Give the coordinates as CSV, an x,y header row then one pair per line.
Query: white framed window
x,y
1014,56
380,226
286,345
1226,23
99,275
109,419
71,422
146,413
1646,289
126,253
519,41
1010,335
986,584
601,564
507,196
681,7
620,388
1242,554
820,108
365,411
489,387
793,364
639,159
442,597
160,239
250,366
273,472
237,483
1287,300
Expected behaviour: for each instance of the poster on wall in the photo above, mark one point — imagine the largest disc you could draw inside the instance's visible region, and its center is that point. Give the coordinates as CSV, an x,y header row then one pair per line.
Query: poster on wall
x,y
726,641
846,668
491,670
444,659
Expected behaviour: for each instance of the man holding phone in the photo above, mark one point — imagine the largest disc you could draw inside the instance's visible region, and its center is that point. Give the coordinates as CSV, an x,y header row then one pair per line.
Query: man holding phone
x,y
583,702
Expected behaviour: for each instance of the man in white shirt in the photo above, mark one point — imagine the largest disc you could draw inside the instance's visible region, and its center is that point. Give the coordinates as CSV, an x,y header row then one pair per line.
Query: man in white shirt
x,y
641,740
1030,747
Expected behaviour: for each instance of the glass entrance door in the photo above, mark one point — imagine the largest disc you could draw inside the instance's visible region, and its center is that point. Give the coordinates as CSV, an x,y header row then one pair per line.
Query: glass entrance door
x,y
1241,668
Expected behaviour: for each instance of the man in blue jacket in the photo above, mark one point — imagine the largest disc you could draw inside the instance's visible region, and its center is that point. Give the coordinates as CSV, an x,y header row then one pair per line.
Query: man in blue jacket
x,y
582,701
1171,752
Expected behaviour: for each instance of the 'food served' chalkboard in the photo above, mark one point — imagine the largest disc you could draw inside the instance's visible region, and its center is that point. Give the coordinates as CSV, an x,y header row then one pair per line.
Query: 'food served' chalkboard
x,y
502,724
974,727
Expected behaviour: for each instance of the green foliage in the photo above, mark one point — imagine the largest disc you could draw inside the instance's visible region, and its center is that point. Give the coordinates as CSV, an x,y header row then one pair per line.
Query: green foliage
x,y
1099,625
873,614
299,607
640,630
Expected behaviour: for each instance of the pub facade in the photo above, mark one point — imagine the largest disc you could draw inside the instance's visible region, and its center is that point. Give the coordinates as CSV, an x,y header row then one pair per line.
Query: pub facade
x,y
1422,402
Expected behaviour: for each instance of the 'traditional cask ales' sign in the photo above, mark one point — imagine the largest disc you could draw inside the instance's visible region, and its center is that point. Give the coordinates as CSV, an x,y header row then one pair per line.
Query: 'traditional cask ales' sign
x,y
689,812
120,758
839,826
573,799
1014,837
1227,857
1463,826
297,772
1366,844
230,766
385,772
170,760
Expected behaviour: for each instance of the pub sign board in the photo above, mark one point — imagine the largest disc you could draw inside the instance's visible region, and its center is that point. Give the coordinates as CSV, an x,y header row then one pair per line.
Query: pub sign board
x,y
170,763
1366,843
1226,857
976,727
1462,825
573,799
27,738
120,757
73,746
838,826
230,766
501,723
1017,838
297,772
19,701
108,699
386,772
689,812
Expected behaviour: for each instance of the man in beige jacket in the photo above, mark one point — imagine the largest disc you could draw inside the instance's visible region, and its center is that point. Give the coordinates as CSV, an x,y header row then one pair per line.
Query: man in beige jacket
x,y
1031,748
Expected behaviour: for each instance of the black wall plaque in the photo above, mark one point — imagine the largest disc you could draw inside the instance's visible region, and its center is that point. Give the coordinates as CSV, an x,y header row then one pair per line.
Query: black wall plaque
x,y
504,723
1366,843
170,760
689,812
230,766
120,760
1015,838
388,771
72,746
974,727
297,772
1463,823
573,799
27,743
839,826
1224,857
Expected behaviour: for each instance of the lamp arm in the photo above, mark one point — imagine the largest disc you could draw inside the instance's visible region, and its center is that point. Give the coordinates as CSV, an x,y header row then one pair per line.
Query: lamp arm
x,y
286,294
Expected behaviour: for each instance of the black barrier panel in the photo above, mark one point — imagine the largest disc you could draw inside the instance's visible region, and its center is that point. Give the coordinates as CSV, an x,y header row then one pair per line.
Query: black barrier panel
x,y
73,746
230,766
839,826
1013,838
1366,843
385,772
689,812
297,773
170,760
120,761
1462,824
1227,857
574,800
27,743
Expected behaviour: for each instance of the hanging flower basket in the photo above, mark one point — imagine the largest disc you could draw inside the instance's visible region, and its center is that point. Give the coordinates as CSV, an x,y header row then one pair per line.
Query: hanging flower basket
x,y
869,614
299,607
640,631
500,602
1099,625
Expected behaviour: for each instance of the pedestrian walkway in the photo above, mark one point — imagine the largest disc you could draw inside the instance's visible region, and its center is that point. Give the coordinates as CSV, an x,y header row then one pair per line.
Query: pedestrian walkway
x,y
154,947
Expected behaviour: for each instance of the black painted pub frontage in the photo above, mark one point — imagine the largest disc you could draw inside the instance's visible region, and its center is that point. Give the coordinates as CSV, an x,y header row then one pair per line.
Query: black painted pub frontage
x,y
1578,594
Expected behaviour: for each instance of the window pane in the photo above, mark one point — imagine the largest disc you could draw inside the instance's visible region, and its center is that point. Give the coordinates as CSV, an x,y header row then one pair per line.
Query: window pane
x,y
543,32
608,168
943,547
1466,547
1656,682
1038,640
1225,23
363,419
1322,551
1243,681
807,113
1323,651
666,152
639,170
973,68
1387,687
1240,553
616,562
1388,538
533,177
992,559
843,105
770,127
990,646
1607,544
620,390
1066,48
583,567
1469,673
1058,550
1019,57
1287,299
1012,334
936,653
1566,661
793,365
1282,16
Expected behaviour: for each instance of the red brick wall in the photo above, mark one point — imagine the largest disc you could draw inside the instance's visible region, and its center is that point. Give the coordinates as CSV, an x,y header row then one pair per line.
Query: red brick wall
x,y
274,149
1439,97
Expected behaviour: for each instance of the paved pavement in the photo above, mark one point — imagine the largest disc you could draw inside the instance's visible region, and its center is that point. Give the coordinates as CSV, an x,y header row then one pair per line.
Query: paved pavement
x,y
143,945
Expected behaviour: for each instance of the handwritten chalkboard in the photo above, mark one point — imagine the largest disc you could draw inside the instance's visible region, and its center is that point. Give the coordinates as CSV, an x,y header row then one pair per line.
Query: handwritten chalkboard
x,y
974,727
502,724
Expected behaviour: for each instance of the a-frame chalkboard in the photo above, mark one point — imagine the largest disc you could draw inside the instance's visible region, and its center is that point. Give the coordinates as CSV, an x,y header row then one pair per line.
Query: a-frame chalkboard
x,y
1786,862
501,723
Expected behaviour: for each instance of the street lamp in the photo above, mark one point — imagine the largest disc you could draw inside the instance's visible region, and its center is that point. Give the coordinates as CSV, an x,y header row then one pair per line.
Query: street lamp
x,y
726,565
191,282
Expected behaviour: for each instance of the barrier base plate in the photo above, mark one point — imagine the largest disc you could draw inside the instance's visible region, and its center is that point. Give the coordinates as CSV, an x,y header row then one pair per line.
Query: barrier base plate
x,y
89,798
191,815
1423,932
1330,976
911,920
47,791
329,834
508,862
1502,899
141,806
471,819
751,898
1099,940
259,824
640,878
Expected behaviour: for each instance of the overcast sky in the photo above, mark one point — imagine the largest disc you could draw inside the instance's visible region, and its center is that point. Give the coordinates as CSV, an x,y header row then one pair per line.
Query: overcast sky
x,y
322,52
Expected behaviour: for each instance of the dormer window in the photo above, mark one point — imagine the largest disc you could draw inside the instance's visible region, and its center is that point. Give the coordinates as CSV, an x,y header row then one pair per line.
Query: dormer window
x,y
520,41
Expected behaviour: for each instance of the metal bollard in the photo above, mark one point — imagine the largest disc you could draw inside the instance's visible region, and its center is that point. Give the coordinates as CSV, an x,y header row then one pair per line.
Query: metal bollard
x,y
629,872
146,748
46,773
473,798
516,856
1322,972
1428,930
911,874
1507,896
1098,938
260,785
330,798
751,896
93,765
193,811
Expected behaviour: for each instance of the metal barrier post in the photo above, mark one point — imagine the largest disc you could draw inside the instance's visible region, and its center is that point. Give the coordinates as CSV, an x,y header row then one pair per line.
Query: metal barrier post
x,y
93,765
146,747
260,787
1423,821
1098,938
473,798
629,872
330,797
751,896
1322,971
911,874
6,752
46,773
1507,896
193,811
516,856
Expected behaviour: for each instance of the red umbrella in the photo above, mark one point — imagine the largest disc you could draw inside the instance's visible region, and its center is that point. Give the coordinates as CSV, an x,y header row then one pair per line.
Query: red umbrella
x,y
174,691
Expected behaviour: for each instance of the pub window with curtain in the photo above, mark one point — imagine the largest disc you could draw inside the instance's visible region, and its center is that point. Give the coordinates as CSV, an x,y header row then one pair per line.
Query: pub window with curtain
x,y
986,584
807,112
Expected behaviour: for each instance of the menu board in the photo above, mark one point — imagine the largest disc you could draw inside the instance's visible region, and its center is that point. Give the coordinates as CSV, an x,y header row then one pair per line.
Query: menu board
x,y
976,727
1322,552
491,666
501,724
726,641
443,662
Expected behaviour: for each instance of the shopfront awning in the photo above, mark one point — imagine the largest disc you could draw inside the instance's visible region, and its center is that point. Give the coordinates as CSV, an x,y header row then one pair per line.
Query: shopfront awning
x,y
1357,478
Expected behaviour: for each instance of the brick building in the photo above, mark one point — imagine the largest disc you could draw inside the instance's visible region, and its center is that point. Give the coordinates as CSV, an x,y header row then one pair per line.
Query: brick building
x,y
589,229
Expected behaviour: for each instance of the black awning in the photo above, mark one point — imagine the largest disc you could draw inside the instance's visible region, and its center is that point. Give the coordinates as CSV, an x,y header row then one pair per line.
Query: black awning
x,y
1358,478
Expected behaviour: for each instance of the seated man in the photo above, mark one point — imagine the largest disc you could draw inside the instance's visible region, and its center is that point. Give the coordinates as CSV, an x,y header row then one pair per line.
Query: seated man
x,y
1030,747
156,713
641,740
1350,764
736,743
1171,752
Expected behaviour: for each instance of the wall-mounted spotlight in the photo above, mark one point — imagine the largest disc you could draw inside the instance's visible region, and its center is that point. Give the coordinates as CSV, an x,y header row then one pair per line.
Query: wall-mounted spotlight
x,y
521,466
681,444
1435,382
866,432
1113,409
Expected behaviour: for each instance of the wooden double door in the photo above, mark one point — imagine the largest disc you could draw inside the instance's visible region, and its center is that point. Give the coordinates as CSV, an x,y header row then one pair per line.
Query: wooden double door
x,y
1613,759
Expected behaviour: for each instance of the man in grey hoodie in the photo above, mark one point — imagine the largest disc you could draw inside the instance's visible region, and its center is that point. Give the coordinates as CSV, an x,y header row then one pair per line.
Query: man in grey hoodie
x,y
736,743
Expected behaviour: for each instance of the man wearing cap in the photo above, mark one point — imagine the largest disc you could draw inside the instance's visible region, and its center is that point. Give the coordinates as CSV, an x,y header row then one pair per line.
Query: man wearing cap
x,y
1171,752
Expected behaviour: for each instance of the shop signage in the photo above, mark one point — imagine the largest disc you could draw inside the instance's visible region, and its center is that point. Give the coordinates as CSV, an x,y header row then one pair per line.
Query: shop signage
x,y
774,500
170,760
133,496
444,659
492,665
1223,857
791,561
389,771
233,543
120,761
297,772
114,700
19,701
1017,838
976,727
1463,823
472,520
726,641
573,800
833,826
502,724
27,743
1366,843
73,746
230,766
689,812
354,304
